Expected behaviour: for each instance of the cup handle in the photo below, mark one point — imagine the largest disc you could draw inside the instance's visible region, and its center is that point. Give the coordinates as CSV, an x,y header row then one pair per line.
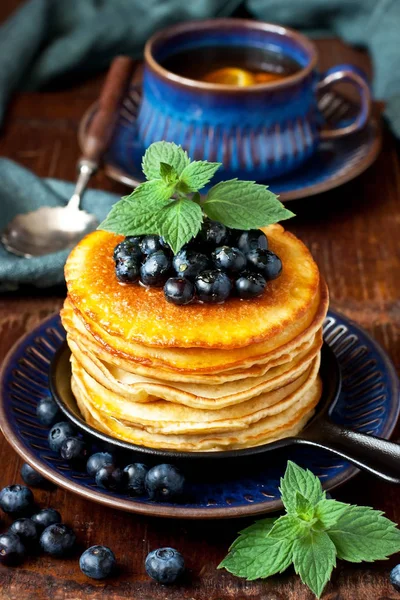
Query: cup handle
x,y
347,73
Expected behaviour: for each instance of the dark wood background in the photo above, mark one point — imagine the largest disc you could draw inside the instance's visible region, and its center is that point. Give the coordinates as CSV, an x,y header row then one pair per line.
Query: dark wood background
x,y
353,233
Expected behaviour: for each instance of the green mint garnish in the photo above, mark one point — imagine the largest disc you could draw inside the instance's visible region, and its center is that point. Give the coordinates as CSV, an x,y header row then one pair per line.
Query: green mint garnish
x,y
312,534
169,203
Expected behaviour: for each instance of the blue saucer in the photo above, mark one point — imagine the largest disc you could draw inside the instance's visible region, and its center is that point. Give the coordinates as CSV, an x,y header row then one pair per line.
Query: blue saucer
x,y
369,403
334,163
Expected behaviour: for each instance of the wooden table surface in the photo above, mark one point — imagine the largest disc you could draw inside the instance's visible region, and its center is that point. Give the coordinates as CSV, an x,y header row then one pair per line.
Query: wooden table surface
x,y
353,233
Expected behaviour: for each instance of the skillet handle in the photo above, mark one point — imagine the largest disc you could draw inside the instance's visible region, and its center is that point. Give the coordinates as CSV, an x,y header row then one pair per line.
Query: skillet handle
x,y
372,454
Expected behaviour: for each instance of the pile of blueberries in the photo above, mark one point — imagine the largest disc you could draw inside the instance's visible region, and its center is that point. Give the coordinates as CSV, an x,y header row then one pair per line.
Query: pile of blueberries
x,y
34,529
162,482
218,263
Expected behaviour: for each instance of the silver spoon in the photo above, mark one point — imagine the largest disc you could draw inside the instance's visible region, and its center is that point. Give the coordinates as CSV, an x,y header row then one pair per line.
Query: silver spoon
x,y
49,229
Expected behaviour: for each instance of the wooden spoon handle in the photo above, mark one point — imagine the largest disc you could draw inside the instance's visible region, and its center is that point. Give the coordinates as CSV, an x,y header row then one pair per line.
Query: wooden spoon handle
x,y
102,125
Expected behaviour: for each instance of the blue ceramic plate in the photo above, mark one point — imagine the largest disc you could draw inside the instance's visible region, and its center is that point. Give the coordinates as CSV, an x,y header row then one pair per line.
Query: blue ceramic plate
x,y
369,403
334,163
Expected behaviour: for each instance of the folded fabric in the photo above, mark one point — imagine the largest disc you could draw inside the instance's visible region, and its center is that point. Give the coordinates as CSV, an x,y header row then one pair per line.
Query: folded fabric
x,y
48,39
21,191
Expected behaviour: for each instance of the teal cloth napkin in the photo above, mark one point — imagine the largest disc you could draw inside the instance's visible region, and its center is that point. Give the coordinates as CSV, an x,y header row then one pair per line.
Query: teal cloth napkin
x,y
49,40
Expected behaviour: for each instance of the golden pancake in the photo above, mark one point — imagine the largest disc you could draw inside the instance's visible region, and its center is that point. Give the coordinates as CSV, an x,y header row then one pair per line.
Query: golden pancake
x,y
134,314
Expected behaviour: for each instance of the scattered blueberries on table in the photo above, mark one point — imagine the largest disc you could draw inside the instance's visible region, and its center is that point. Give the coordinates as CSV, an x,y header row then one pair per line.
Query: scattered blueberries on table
x,y
97,562
164,482
213,266
27,530
32,477
58,539
12,551
16,499
47,412
59,433
46,517
98,460
395,577
165,565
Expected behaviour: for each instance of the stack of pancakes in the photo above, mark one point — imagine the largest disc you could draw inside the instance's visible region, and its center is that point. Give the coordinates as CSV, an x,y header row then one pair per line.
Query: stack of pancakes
x,y
201,377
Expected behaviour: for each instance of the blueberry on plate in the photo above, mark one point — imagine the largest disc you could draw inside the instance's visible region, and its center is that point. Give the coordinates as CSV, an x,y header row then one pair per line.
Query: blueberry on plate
x,y
189,263
74,450
395,577
47,412
150,244
127,270
212,286
46,517
32,477
16,499
212,234
164,482
12,550
97,562
179,290
229,259
136,474
265,262
155,270
110,477
27,530
164,565
59,433
253,239
98,460
249,285
128,248
57,539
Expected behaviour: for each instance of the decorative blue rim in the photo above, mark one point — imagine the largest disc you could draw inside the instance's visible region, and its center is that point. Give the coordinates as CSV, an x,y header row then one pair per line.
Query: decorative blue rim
x,y
369,403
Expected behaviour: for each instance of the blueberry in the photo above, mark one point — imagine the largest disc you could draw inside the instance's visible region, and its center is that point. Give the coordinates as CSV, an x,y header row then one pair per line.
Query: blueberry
x,y
47,412
74,450
129,248
155,269
136,474
97,562
111,478
249,285
151,244
212,234
46,517
265,262
32,477
212,286
59,433
16,499
12,551
57,539
27,530
164,565
127,270
98,460
178,290
395,577
164,482
229,259
189,263
253,239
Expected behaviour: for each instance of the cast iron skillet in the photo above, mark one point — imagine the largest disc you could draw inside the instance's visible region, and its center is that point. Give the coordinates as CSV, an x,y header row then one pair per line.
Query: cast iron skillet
x,y
372,454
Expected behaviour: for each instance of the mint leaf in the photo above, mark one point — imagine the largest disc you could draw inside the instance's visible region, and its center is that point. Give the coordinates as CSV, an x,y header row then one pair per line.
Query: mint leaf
x,y
314,556
328,512
304,508
363,534
258,556
168,174
163,152
197,174
178,222
260,528
244,205
299,480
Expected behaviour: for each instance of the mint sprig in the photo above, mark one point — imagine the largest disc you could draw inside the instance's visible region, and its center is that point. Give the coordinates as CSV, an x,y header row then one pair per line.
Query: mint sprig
x,y
312,534
169,203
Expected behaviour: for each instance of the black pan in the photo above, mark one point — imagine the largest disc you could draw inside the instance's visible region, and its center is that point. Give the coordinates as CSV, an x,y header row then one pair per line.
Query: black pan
x,y
379,457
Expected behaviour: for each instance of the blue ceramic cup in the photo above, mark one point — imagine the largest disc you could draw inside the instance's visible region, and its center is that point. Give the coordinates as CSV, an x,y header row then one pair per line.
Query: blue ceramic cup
x,y
258,132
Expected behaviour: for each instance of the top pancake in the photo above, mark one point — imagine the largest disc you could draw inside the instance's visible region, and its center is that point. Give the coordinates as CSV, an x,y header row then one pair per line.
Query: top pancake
x,y
136,314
